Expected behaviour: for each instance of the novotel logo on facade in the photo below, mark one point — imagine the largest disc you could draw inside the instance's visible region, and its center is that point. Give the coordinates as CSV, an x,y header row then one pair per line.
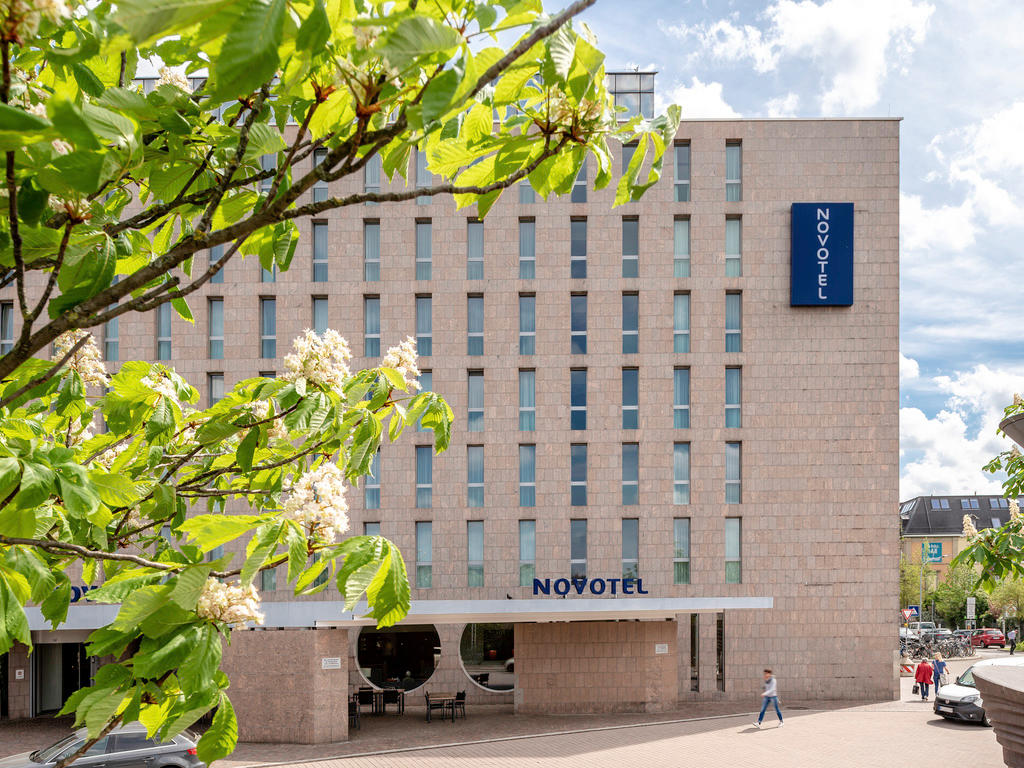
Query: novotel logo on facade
x,y
562,587
822,255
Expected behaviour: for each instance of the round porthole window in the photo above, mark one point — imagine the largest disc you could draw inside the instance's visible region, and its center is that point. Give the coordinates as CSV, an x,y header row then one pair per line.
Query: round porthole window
x,y
487,652
398,657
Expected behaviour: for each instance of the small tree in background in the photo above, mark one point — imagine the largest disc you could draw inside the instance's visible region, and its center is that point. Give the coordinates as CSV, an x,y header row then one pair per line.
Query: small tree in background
x,y
1007,601
950,596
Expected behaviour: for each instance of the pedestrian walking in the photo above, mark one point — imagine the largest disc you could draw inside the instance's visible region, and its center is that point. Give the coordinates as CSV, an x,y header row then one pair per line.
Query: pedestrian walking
x,y
938,672
1012,637
923,677
769,695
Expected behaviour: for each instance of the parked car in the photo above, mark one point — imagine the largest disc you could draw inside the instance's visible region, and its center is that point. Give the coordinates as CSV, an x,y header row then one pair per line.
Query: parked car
x,y
931,635
965,633
125,747
921,626
961,700
907,634
986,638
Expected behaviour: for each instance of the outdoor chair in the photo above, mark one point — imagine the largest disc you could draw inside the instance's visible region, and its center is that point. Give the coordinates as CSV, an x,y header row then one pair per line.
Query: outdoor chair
x,y
393,696
353,713
432,705
459,704
365,698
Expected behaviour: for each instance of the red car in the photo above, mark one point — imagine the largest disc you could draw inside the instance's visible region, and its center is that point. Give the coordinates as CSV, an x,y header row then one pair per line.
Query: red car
x,y
986,638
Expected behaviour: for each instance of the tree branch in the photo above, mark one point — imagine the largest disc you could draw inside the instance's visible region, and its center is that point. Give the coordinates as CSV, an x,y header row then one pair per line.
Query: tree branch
x,y
88,743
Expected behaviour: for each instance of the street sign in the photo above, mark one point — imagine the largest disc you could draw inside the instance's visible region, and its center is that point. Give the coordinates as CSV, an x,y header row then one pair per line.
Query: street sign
x,y
907,614
931,552
915,611
971,605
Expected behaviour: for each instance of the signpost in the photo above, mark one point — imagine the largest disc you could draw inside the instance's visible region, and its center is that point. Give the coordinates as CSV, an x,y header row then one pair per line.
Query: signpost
x,y
971,612
915,611
907,614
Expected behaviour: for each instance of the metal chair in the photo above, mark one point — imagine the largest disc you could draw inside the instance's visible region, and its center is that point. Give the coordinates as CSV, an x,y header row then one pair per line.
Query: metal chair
x,y
432,705
459,704
396,697
365,698
353,713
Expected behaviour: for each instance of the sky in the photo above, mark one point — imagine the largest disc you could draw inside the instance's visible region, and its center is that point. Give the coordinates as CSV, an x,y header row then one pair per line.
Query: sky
x,y
952,71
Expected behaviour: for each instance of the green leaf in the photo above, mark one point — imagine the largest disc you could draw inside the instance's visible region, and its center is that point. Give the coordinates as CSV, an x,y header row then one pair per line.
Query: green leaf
x,y
249,56
86,80
55,606
197,671
437,97
146,20
157,656
15,624
211,531
37,484
261,547
246,448
32,202
141,604
161,420
14,119
79,171
315,30
418,37
114,490
219,741
189,585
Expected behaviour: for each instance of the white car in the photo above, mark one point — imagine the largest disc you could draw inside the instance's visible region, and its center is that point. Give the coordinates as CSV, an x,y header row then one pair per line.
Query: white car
x,y
961,700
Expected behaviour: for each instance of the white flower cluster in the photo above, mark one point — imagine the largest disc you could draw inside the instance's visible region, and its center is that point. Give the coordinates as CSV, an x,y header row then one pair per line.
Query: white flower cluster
x,y
317,501
403,359
170,76
24,17
87,361
260,410
1014,510
319,359
230,603
161,384
969,530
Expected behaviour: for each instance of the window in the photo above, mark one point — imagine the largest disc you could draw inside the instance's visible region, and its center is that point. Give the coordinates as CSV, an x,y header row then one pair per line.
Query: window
x,y
681,322
371,177
371,485
733,322
216,254
733,393
268,275
215,308
215,387
578,549
578,474
940,503
681,248
527,249
371,326
630,548
424,473
682,183
694,651
268,580
424,249
111,342
733,569
527,552
424,326
423,176
681,550
999,503
319,251
579,186
630,247
426,385
475,422
527,324
527,400
681,398
968,503
7,329
526,193
474,250
267,163
325,572
733,494
720,650
163,332
733,171
320,321
475,325
371,529
578,248
630,474
129,742
475,559
681,473
628,151
995,522
578,398
630,398
634,91
527,475
733,246
268,328
371,251
319,186
475,475
268,374
578,323
630,323
424,555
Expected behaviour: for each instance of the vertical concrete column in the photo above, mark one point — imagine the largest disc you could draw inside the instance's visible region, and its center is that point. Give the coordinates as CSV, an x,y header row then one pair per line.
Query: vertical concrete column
x,y
708,655
19,692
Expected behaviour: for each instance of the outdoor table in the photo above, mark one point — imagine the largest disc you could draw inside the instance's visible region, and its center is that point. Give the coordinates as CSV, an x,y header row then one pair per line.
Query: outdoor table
x,y
446,699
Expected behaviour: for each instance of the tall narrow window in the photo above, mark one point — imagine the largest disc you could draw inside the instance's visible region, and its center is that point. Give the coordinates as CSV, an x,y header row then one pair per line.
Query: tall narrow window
x,y
371,251
579,186
733,171
475,422
720,650
426,385
578,248
320,321
371,529
630,548
681,550
527,400
319,251
681,248
681,398
527,552
474,250
628,151
578,474
630,474
475,325
7,330
371,326
578,323
371,177
527,475
371,484
475,475
630,247
111,341
268,580
423,176
215,387
424,250
681,473
424,555
527,324
163,332
682,181
578,398
630,323
694,651
321,578
733,246
319,186
216,254
216,328
475,553
733,474
268,275
424,476
733,551
630,398
733,395
424,326
578,549
526,193
268,328
527,249
267,163
681,322
733,322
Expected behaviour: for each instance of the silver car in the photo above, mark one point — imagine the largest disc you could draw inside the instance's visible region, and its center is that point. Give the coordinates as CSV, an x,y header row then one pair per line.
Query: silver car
x,y
124,747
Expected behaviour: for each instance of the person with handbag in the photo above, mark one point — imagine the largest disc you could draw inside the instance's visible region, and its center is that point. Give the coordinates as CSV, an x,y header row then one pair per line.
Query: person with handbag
x,y
923,678
939,674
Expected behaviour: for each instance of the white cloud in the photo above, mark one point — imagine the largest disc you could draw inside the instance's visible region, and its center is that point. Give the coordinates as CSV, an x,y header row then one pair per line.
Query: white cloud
x,y
701,100
948,227
782,106
909,369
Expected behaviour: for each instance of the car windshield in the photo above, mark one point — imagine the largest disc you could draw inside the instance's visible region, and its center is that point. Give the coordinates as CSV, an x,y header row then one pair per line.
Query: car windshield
x,y
967,678
50,753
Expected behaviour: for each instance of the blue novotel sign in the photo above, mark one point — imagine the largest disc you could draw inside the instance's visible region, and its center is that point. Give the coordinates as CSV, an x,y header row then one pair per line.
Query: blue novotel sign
x,y
821,257
563,587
